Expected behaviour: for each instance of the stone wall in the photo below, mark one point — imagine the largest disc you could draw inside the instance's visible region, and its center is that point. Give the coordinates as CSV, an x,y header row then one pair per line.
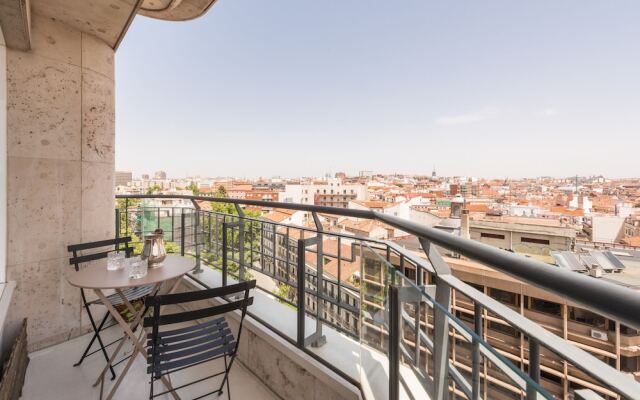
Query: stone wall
x,y
60,154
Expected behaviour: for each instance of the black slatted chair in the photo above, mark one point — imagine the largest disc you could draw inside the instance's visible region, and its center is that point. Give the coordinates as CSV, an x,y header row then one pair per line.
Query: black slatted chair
x,y
131,294
209,338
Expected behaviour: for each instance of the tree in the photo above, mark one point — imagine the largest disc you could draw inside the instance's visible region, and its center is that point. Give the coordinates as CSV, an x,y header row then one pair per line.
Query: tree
x,y
226,208
123,204
194,188
221,191
153,189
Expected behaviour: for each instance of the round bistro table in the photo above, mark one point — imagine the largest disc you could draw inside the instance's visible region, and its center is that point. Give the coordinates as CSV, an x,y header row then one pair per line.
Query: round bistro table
x,y
98,279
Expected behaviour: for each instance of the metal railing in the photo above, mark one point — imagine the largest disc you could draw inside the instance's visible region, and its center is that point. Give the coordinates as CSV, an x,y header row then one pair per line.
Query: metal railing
x,y
414,323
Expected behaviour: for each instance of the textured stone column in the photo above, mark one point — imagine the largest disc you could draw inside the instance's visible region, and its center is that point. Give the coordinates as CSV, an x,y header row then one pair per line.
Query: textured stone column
x,y
60,134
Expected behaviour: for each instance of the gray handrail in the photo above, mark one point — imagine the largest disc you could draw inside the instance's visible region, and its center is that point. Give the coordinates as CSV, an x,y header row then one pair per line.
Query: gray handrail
x,y
606,298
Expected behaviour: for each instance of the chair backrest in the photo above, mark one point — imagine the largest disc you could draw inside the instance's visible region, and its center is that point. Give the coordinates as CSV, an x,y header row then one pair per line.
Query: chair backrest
x,y
121,243
158,318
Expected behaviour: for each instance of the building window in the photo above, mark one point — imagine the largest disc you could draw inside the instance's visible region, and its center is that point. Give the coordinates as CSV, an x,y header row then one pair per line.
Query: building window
x,y
479,288
551,377
506,329
463,316
543,306
625,330
505,297
587,317
491,235
628,364
534,240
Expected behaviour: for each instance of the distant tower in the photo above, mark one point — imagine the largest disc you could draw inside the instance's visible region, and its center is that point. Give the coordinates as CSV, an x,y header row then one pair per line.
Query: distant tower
x,y
433,173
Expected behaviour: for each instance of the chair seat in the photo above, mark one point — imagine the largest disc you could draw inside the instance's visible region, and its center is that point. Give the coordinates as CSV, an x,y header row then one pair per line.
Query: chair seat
x,y
131,294
190,345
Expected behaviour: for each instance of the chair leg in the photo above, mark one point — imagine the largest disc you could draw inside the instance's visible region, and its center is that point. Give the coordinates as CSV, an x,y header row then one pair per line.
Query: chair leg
x,y
225,380
97,335
151,389
93,339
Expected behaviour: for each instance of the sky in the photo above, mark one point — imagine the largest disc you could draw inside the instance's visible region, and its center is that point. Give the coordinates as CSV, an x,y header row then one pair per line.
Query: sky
x,y
291,88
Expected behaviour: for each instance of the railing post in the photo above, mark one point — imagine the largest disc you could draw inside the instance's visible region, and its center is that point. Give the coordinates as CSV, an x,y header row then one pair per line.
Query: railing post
x,y
394,343
441,341
476,362
441,323
224,253
534,368
240,242
301,282
318,339
196,234
182,231
117,223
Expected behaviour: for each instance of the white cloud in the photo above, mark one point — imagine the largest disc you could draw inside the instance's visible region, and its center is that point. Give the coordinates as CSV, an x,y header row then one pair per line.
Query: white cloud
x,y
475,116
548,112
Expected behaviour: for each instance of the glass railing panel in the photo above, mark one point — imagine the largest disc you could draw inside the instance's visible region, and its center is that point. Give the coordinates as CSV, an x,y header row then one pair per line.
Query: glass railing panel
x,y
375,277
498,376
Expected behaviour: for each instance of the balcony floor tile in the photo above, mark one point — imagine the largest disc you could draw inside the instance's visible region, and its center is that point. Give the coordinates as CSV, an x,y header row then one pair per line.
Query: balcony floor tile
x,y
51,375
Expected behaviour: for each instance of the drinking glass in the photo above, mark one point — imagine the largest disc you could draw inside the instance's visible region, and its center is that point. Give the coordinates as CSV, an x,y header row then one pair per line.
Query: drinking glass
x,y
138,267
115,260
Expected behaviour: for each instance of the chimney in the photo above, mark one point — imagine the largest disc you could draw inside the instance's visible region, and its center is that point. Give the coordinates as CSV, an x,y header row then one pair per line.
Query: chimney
x,y
464,224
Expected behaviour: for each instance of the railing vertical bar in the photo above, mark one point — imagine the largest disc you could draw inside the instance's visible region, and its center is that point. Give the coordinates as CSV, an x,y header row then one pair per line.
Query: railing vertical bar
x,y
182,231
394,343
287,255
173,227
117,222
534,368
300,272
209,232
196,234
224,254
441,342
476,361
339,273
274,254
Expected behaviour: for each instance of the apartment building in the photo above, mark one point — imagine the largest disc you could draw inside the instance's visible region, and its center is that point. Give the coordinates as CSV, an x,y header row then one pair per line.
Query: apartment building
x,y
331,193
123,178
522,234
608,340
340,264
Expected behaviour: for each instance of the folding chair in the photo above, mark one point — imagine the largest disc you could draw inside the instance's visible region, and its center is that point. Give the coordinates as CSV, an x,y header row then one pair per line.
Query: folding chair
x,y
176,349
131,294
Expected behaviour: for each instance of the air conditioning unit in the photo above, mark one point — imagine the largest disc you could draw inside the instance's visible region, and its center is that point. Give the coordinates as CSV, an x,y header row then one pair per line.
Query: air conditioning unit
x,y
596,271
599,335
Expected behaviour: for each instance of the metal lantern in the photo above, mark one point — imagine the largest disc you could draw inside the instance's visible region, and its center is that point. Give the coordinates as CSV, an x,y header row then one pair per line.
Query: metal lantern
x,y
153,250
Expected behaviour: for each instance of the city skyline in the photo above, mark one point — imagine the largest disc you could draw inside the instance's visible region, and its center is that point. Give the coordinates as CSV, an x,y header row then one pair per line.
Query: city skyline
x,y
251,90
139,174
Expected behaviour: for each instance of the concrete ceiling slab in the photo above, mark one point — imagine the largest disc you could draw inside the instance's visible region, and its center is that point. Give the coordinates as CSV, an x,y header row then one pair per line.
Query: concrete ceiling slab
x,y
15,23
105,19
175,10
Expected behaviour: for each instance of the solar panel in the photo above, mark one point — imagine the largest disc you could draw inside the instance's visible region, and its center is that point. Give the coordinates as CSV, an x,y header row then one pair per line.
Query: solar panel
x,y
615,261
605,261
588,261
568,260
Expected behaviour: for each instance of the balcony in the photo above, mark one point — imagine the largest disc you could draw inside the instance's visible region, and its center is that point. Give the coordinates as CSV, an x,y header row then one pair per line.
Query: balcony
x,y
359,327
336,315
372,320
